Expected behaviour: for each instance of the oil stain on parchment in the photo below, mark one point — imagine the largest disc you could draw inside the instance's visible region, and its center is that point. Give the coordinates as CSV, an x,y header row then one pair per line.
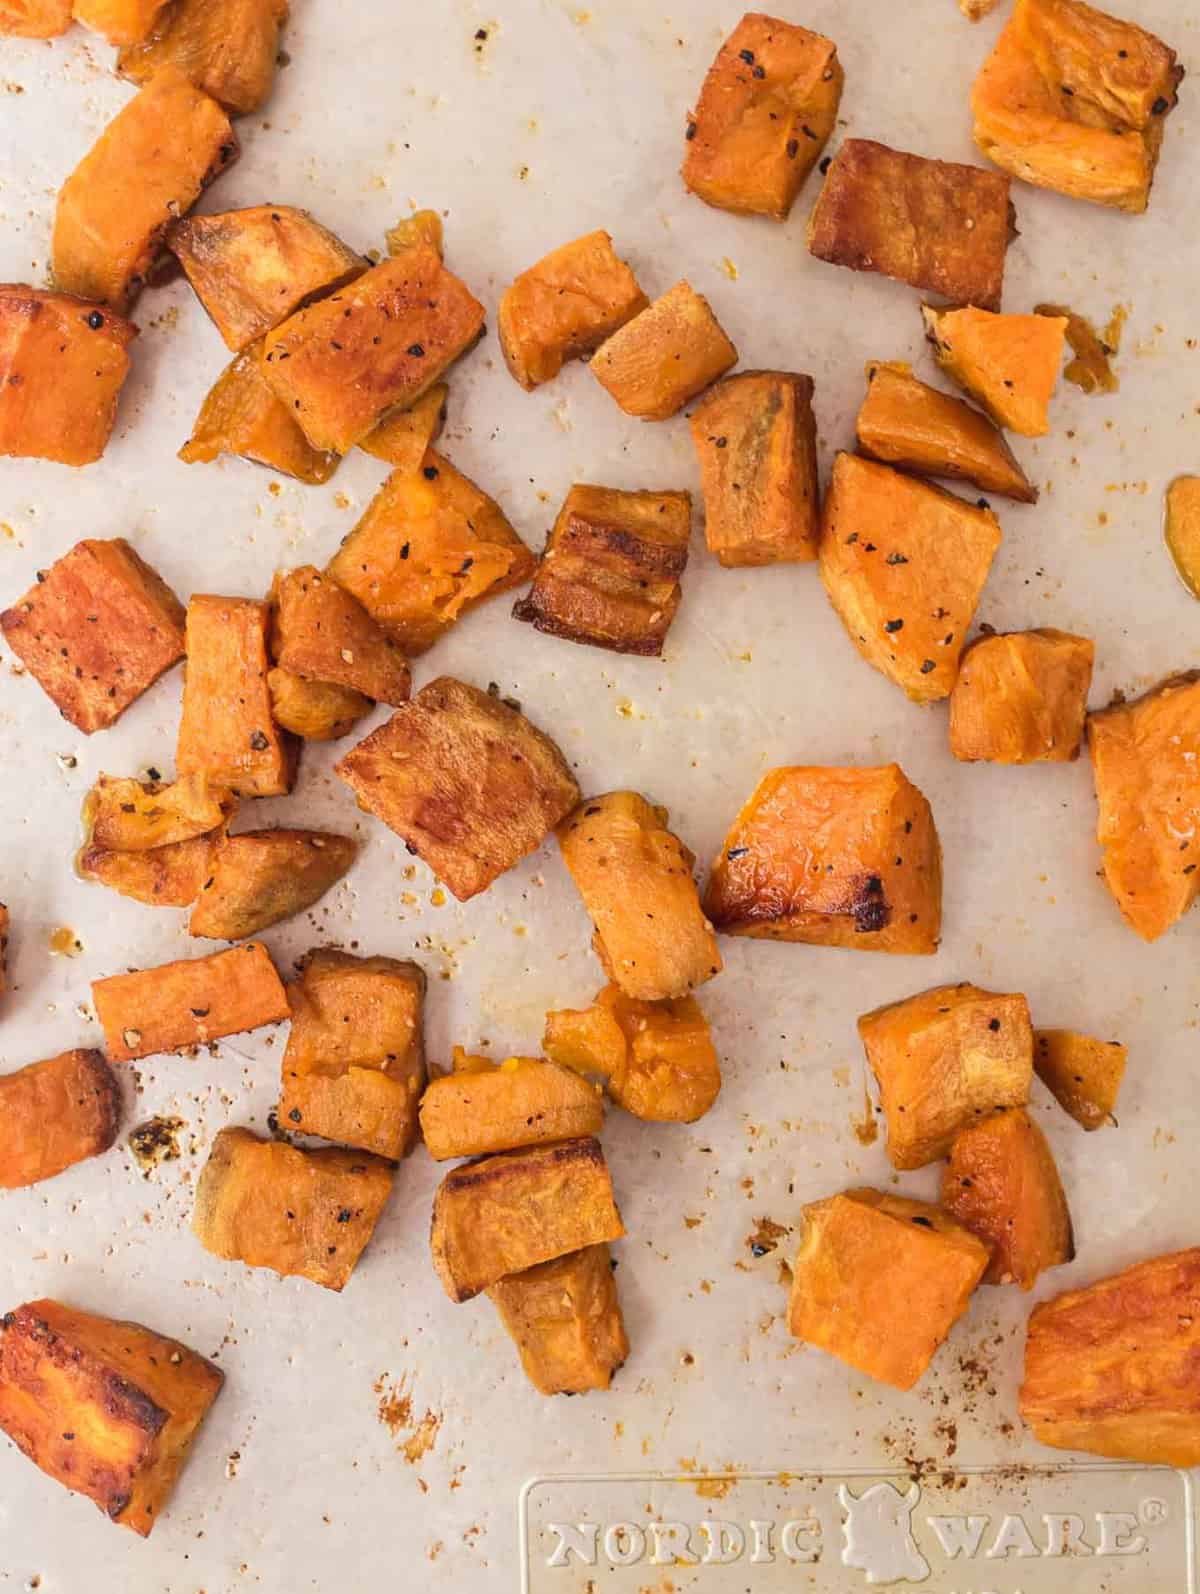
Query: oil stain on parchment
x,y
415,1436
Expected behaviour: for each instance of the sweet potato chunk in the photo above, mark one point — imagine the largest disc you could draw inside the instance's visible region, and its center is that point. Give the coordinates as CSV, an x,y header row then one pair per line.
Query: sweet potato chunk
x,y
107,1409
151,164
240,415
429,548
941,1059
316,711
565,1319
300,1213
228,48
422,227
1114,1369
525,1101
666,355
1146,764
324,634
1083,1074
836,857
169,876
136,815
465,781
96,631
904,564
188,1003
635,878
260,877
1182,530
35,19
403,438
610,574
120,21
506,1213
54,1114
768,105
1010,363
862,1255
905,423
355,1061
376,344
1021,698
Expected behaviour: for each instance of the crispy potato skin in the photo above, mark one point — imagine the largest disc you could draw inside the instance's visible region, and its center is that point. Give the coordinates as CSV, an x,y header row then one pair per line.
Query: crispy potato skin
x,y
1114,1369
240,415
35,19
188,1003
836,857
940,1059
1083,1074
120,21
169,876
566,1322
96,632
610,574
666,355
316,711
228,48
861,1254
1021,698
1010,363
465,781
403,438
904,564
54,1114
525,1102
107,1409
635,878
135,815
261,877
322,632
1146,765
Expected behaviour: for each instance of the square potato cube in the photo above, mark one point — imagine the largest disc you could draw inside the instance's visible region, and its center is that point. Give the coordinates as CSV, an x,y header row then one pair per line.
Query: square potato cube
x,y
610,574
108,1409
1021,698
466,782
261,877
229,48
1009,363
1083,1074
483,1107
96,631
904,564
120,21
879,1281
943,1058
35,19
54,1114
241,415
666,355
933,224
323,633
565,1319
403,438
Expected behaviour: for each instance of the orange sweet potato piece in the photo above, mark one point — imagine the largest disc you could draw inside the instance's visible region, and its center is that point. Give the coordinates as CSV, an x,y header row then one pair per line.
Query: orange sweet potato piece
x,y
228,48
403,438
54,1114
35,19
240,415
1181,529
323,633
316,711
1083,1074
1010,363
565,1319
1021,698
524,1101
169,876
120,21
261,877
666,355
976,10
135,815
422,227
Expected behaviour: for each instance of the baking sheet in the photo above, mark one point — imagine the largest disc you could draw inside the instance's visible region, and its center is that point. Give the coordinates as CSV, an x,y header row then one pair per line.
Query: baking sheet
x,y
382,1437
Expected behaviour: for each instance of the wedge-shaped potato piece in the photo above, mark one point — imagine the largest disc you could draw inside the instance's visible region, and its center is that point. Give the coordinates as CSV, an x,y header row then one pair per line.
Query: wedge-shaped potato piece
x,y
63,363
226,730
1010,363
98,628
54,1114
150,165
933,224
35,19
169,876
905,423
667,354
610,574
323,633
1182,530
422,227
904,564
467,783
1146,764
316,711
566,1322
376,344
564,307
136,815
355,1061
525,1101
1083,1074
228,48
635,878
107,1409
1114,1369
404,437
429,548
768,105
240,415
862,1254
120,21
260,877
301,1213
506,1213
1021,698
188,1003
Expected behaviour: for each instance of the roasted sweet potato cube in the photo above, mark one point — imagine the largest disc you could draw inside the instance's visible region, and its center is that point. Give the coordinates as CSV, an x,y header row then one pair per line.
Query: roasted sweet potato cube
x,y
465,781
151,164
107,1409
506,1213
591,1040
354,1066
229,49
54,1114
429,548
1146,764
136,815
96,631
667,354
862,1255
904,564
768,105
524,1101
35,19
120,21
316,711
942,1059
1082,1073
188,1003
240,415
403,438
169,876
300,1213
566,1322
610,574
836,857
565,306
905,423
260,877
1021,698
635,878
1010,363
422,227
323,633
1114,1369
933,224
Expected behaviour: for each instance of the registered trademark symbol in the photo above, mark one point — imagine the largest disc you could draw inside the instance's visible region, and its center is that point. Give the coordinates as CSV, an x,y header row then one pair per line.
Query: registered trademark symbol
x,y
1153,1511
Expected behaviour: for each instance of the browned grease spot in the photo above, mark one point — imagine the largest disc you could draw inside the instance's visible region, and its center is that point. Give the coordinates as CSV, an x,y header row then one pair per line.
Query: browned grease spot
x,y
64,943
765,1236
866,1128
414,1439
155,1142
1091,369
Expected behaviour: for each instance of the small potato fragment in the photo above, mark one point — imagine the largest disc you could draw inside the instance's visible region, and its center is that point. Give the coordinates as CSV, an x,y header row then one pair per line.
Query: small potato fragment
x,y
1010,363
240,415
323,633
35,19
422,227
1182,530
565,1319
667,354
120,21
403,438
260,877
1083,1074
635,878
316,711
136,815
228,48
1021,698
976,10
524,1101
169,876
54,1114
